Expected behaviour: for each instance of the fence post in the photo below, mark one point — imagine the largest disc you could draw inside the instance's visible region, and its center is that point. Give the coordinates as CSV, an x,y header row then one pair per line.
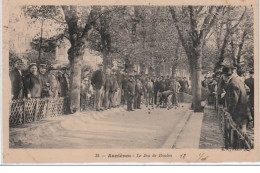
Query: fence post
x,y
24,112
47,109
36,109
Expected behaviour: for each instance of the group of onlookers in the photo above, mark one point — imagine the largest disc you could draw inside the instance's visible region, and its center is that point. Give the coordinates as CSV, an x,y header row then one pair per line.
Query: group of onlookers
x,y
115,87
234,91
38,81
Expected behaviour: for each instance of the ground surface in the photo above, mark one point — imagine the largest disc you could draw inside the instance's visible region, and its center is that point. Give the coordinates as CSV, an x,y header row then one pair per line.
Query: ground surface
x,y
211,137
114,128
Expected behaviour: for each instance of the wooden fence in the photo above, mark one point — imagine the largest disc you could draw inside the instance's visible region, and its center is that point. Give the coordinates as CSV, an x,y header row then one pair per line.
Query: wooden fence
x,y
29,110
233,137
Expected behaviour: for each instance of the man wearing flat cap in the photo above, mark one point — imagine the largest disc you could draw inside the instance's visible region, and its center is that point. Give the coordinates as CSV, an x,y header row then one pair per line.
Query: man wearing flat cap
x,y
17,80
236,98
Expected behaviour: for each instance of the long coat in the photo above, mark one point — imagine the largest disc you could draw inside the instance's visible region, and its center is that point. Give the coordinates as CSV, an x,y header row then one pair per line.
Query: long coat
x,y
98,79
17,84
64,85
237,101
131,87
33,85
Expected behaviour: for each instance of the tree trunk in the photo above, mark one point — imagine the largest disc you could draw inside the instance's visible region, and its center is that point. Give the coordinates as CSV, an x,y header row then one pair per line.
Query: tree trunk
x,y
196,79
75,56
40,45
106,61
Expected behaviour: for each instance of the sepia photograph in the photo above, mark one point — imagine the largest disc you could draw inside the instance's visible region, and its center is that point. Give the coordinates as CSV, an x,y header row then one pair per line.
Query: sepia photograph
x,y
122,83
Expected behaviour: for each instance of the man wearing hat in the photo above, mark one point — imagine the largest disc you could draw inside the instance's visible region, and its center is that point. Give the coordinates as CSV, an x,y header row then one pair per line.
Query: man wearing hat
x,y
32,83
130,92
44,80
250,83
98,81
64,82
54,82
236,98
17,78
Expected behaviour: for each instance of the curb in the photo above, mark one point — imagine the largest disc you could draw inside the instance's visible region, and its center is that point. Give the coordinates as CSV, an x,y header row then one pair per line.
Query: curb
x,y
172,138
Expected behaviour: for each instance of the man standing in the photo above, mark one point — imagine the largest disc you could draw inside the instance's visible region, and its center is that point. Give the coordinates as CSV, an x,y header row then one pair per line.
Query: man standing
x,y
17,78
54,83
124,88
44,80
175,88
236,97
250,83
138,93
130,92
167,83
115,88
108,87
185,85
162,88
156,88
32,82
97,81
64,82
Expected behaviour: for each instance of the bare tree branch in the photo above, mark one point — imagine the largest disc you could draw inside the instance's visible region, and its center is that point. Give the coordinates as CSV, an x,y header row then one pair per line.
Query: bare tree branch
x,y
240,19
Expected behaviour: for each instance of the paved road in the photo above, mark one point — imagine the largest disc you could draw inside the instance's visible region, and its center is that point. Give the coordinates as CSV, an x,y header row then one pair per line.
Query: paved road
x,y
114,128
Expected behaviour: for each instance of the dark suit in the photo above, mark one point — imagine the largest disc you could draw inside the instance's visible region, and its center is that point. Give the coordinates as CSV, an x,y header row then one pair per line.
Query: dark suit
x,y
250,83
237,102
130,94
138,93
156,88
16,84
33,85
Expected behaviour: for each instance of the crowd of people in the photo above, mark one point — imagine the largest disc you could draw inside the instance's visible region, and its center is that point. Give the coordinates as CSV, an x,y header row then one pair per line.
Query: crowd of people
x,y
115,87
38,81
234,91
111,88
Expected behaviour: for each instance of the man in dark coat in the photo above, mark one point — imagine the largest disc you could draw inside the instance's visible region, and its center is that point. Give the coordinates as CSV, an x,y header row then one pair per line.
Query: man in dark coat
x,y
167,83
185,85
17,78
44,80
236,97
32,82
250,83
138,93
156,88
64,82
124,88
98,81
162,88
130,92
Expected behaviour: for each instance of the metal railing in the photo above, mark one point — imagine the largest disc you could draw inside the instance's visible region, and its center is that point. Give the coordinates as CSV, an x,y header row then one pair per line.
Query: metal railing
x,y
233,136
